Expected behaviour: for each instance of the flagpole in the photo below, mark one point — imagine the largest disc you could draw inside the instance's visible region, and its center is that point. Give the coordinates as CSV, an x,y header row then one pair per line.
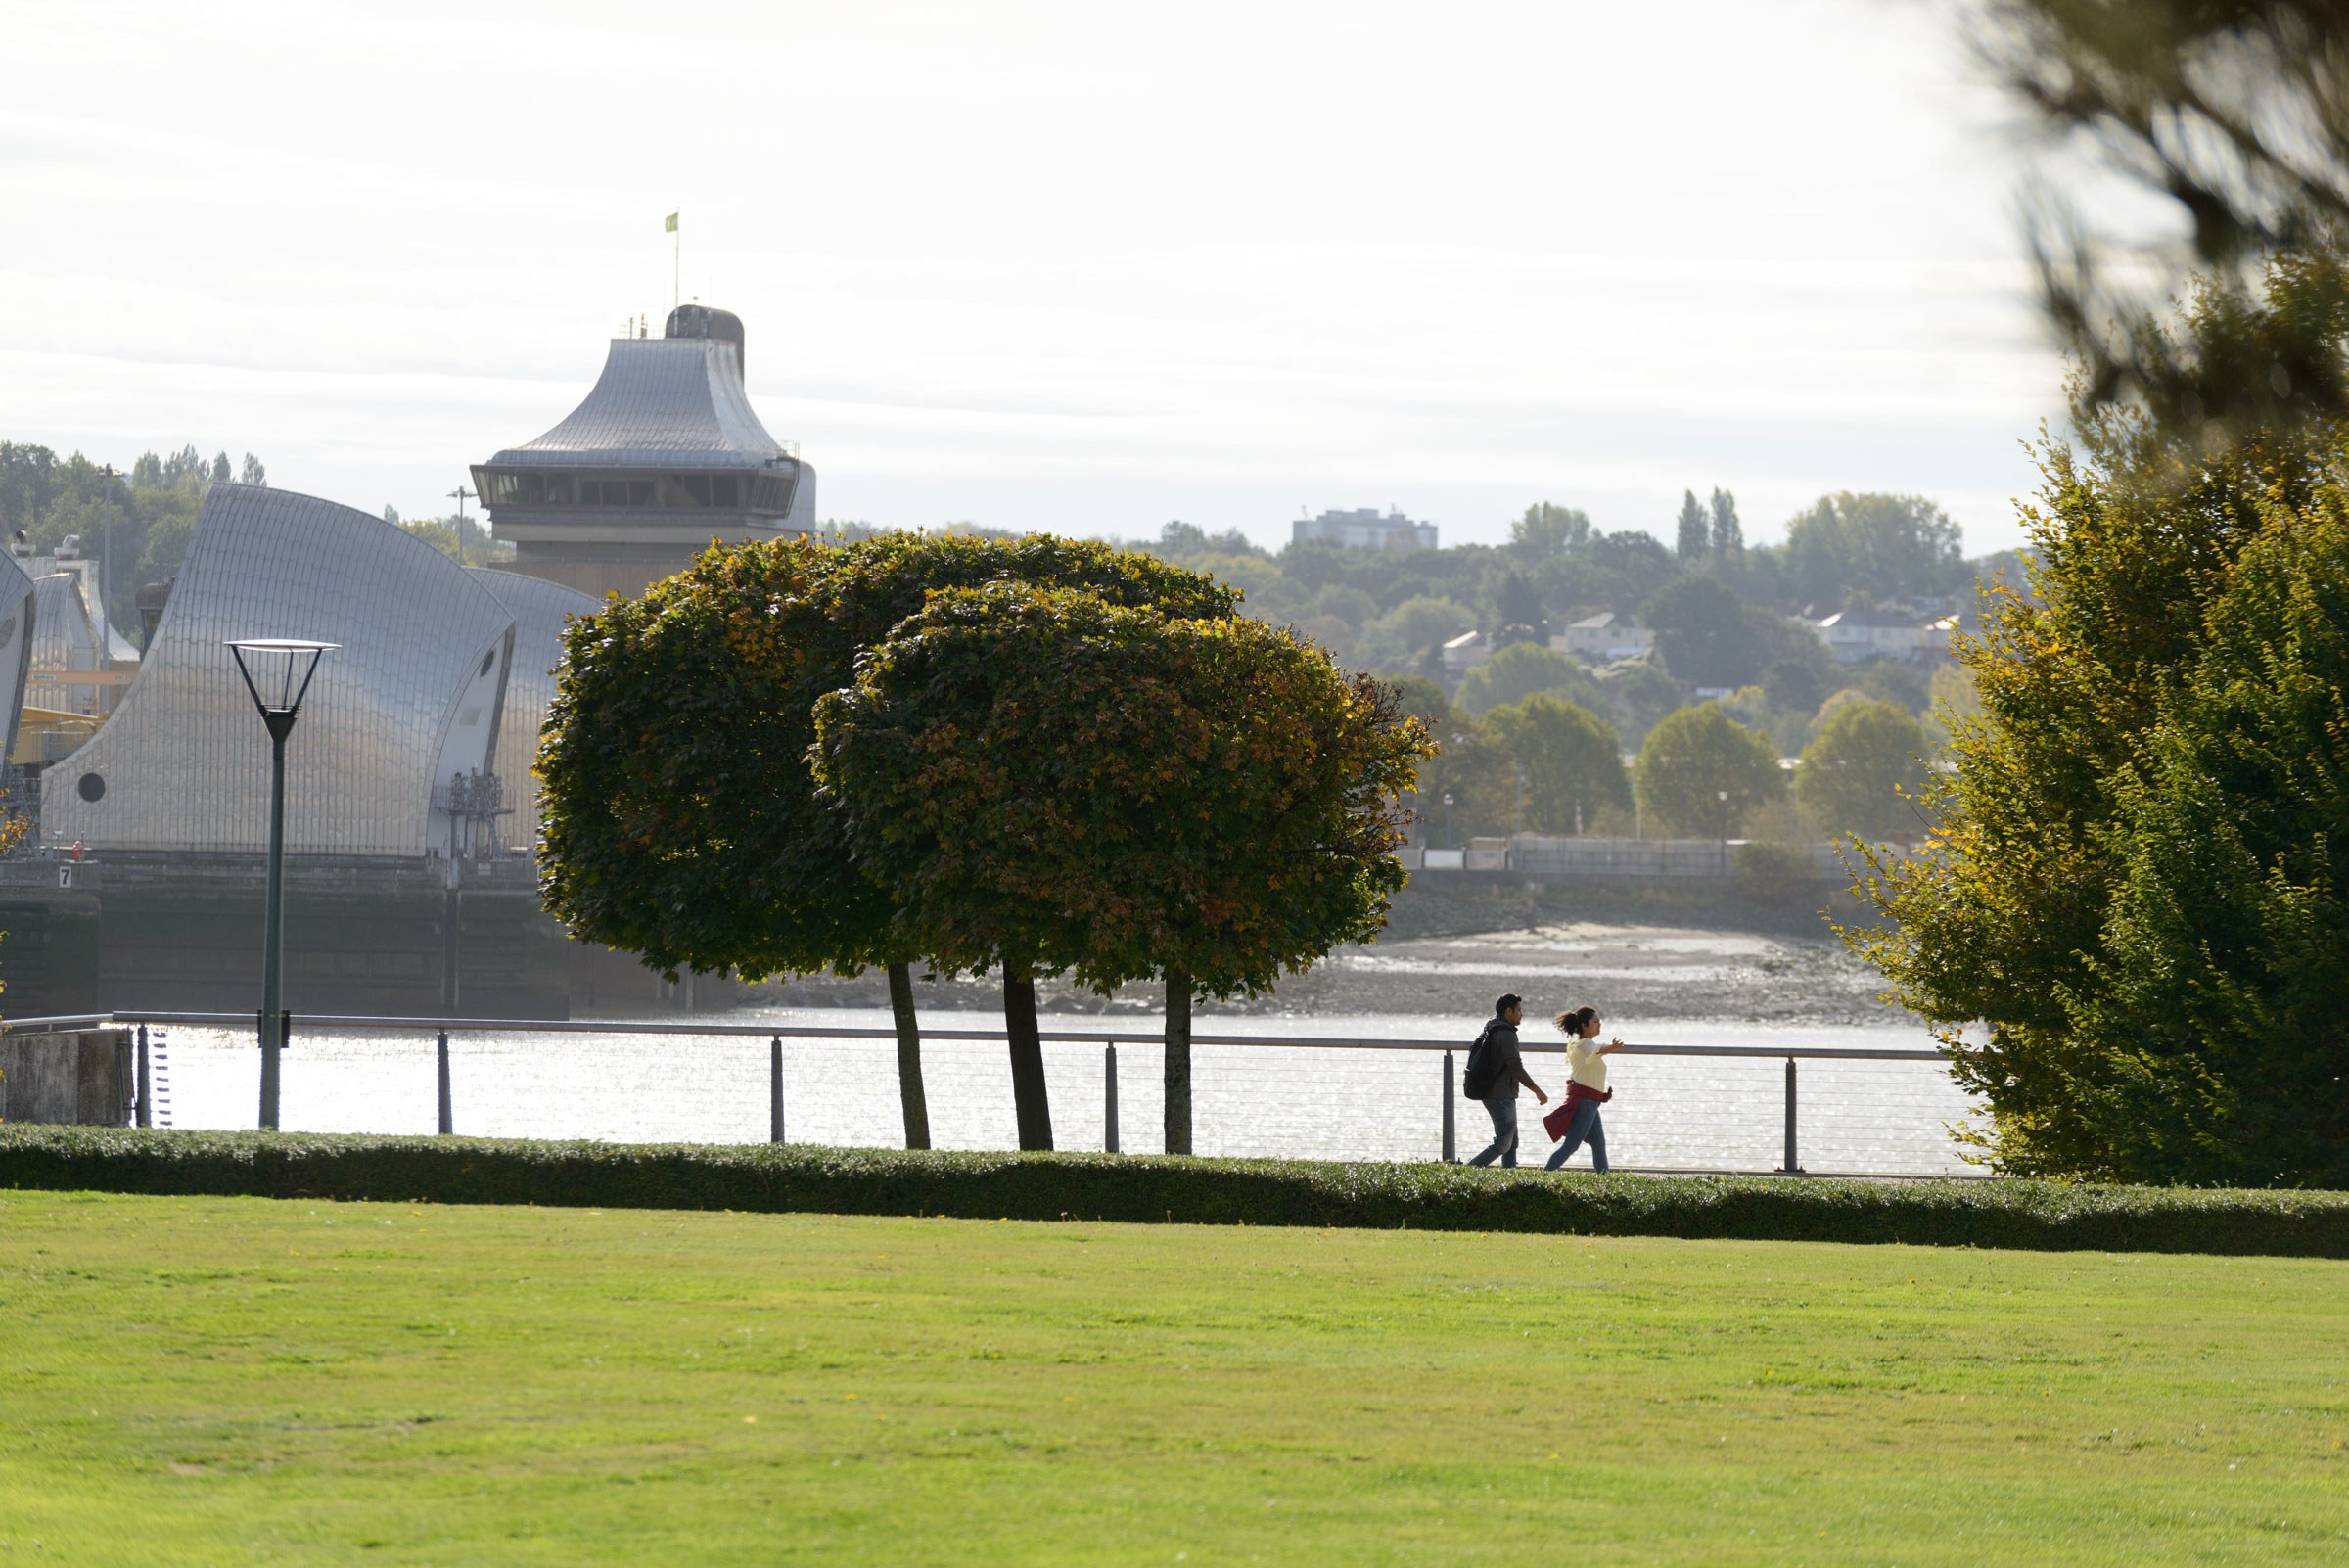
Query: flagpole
x,y
677,274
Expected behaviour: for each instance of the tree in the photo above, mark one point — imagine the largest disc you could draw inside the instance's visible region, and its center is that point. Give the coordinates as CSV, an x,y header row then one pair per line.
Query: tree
x,y
2234,113
1729,534
2176,640
1699,772
1863,771
221,473
1695,530
1637,563
1706,636
1468,765
680,820
1878,546
1792,684
1046,783
1546,531
391,514
252,473
1639,694
2213,1029
1413,626
1519,618
1571,760
1521,670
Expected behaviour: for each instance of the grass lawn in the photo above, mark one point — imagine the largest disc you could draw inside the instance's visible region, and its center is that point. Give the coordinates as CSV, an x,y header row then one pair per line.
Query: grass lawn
x,y
239,1381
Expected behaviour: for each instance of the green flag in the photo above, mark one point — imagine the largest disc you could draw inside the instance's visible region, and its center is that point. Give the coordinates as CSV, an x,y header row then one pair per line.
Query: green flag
x,y
668,225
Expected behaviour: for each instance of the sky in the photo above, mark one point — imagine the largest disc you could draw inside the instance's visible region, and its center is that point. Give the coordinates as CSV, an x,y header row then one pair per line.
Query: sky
x,y
1071,266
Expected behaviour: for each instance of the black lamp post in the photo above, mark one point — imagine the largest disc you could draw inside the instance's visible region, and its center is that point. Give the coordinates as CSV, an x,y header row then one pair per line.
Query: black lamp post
x,y
285,667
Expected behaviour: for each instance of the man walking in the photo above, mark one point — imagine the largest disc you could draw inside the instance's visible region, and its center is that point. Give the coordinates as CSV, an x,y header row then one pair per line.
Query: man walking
x,y
1494,1069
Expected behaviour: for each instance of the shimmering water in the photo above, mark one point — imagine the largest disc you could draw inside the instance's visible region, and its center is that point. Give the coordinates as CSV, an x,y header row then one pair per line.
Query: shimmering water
x,y
1321,1103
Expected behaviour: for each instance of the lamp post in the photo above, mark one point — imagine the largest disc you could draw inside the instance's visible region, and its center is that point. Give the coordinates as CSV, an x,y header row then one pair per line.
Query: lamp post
x,y
285,667
1724,797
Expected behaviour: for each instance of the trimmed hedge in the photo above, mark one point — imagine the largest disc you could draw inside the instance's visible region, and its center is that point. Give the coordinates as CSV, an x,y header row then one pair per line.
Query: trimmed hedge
x,y
2043,1216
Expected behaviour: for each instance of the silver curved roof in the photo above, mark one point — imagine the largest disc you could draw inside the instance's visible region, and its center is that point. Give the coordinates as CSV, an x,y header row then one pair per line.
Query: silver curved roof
x,y
16,595
412,696
660,401
540,609
64,640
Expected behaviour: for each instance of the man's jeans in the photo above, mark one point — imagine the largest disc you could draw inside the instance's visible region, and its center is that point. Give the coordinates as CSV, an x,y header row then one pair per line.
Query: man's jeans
x,y
1585,1127
1504,1131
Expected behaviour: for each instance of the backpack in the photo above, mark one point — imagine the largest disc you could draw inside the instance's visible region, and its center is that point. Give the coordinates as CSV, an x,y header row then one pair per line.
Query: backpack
x,y
1477,1078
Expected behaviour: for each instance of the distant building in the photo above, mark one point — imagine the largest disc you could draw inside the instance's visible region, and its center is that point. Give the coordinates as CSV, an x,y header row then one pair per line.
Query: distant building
x,y
1603,638
665,456
1854,636
1365,529
1465,652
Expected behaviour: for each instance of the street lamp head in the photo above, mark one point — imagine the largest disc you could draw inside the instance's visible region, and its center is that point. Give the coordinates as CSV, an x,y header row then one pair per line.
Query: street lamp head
x,y
278,670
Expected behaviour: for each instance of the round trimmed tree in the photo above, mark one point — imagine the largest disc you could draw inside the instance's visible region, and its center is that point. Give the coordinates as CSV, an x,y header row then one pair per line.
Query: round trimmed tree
x,y
1046,783
681,822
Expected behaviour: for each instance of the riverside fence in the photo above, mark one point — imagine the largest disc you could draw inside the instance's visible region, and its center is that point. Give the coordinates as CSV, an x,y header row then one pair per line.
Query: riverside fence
x,y
1753,1101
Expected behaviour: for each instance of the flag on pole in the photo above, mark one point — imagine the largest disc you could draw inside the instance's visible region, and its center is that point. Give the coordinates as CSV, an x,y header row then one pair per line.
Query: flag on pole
x,y
668,224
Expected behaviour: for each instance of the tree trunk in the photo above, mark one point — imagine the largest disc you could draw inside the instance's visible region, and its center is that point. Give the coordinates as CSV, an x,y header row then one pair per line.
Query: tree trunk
x,y
1179,1061
910,1093
1028,1096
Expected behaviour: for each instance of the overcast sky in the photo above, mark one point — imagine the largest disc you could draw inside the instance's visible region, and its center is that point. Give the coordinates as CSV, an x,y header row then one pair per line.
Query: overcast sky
x,y
1078,266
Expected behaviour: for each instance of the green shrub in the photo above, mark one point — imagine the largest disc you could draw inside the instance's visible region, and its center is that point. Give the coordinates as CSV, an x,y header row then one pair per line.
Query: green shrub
x,y
2035,1214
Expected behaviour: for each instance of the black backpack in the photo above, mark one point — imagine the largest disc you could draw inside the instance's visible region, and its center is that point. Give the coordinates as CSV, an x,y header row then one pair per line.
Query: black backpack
x,y
1476,1078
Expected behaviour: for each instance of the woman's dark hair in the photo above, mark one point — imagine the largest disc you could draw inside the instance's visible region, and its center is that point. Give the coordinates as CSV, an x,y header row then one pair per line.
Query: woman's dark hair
x,y
1572,1020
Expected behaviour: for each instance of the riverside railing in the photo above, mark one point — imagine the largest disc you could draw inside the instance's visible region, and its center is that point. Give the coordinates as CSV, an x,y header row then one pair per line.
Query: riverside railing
x,y
1110,1039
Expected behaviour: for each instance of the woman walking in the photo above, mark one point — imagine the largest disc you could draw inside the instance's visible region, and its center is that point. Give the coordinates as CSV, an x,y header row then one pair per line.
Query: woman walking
x,y
1575,1119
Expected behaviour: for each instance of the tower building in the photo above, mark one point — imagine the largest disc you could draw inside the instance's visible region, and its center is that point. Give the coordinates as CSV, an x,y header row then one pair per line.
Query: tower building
x,y
664,456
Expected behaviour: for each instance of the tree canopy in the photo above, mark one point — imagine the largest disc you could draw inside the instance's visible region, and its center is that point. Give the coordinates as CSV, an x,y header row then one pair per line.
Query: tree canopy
x,y
1521,670
680,820
1573,766
1701,772
1044,780
2134,880
1863,771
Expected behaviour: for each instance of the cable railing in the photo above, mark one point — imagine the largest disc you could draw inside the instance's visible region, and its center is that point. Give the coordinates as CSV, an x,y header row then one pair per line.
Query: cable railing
x,y
1109,1038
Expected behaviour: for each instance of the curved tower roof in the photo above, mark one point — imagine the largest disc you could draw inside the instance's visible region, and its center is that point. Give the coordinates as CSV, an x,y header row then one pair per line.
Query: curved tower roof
x,y
412,697
539,610
664,456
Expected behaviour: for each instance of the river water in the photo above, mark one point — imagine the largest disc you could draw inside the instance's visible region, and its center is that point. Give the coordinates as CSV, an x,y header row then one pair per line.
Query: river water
x,y
1677,1112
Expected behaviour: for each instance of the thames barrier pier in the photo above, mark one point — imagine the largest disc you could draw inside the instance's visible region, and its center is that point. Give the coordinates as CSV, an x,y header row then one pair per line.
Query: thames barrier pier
x,y
410,811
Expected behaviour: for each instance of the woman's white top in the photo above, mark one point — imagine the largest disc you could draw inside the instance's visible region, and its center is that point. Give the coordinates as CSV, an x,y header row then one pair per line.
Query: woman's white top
x,y
1589,1067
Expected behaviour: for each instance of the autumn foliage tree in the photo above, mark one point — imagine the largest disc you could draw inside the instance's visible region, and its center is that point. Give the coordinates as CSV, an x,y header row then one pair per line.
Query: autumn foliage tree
x,y
681,820
1043,782
2137,883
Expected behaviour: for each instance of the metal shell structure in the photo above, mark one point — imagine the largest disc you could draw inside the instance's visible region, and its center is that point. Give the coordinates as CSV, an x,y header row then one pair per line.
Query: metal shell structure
x,y
65,644
541,610
413,696
17,595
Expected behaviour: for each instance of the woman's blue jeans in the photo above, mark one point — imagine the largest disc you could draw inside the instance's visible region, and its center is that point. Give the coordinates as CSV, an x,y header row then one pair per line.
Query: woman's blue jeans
x,y
1585,1127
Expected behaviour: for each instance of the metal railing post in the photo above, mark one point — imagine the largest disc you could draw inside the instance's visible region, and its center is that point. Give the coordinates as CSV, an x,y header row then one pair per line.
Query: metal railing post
x,y
1109,1098
448,1121
1792,1167
774,1089
1451,1153
146,1108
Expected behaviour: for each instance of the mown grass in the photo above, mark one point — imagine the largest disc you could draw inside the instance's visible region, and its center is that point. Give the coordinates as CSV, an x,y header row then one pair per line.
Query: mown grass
x,y
244,1381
